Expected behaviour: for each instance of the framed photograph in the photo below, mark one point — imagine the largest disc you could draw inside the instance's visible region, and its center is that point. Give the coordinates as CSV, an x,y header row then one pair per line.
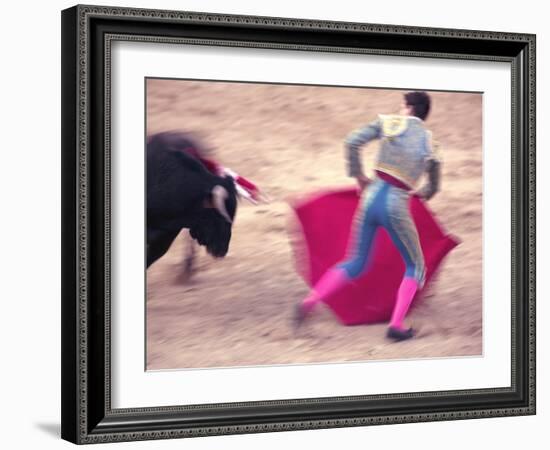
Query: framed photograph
x,y
280,224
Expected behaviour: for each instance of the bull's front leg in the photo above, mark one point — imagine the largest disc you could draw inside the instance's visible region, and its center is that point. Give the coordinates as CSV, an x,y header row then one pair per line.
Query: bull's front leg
x,y
189,258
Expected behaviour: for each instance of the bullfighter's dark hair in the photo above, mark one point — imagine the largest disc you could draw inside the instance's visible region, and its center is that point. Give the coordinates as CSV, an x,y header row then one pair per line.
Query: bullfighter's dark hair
x,y
420,102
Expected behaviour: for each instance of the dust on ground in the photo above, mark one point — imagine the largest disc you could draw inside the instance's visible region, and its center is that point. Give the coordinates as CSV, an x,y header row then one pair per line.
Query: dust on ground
x,y
237,311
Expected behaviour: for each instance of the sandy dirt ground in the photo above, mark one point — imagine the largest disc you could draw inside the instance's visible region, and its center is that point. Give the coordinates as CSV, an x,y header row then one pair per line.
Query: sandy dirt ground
x,y
289,139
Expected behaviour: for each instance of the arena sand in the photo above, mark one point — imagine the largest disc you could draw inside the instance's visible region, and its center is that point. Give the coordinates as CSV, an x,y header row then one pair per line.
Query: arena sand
x,y
237,311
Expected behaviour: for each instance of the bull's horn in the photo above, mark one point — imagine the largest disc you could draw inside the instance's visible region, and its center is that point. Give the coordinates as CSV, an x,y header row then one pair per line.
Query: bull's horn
x,y
219,195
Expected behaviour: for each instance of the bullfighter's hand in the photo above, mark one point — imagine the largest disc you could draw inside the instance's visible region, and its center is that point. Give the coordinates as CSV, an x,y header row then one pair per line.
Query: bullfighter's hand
x,y
363,181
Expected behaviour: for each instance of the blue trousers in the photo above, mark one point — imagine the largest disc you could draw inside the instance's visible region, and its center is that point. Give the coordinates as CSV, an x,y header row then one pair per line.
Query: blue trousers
x,y
387,206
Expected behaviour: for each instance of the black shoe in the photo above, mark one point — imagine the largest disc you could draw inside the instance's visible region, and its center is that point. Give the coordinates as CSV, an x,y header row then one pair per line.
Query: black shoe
x,y
299,317
399,335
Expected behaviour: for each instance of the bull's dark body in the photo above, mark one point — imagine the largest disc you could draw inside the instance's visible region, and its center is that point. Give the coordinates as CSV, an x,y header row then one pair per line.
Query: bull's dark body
x,y
179,190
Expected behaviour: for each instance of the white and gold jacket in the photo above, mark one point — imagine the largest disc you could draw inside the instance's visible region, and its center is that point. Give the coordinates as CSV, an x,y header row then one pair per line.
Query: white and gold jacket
x,y
407,149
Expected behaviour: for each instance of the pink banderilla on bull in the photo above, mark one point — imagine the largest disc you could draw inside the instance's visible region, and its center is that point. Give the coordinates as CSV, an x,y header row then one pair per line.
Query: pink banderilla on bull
x,y
245,188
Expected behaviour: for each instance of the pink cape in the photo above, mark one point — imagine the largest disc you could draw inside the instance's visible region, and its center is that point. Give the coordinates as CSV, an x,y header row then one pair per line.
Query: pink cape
x,y
322,239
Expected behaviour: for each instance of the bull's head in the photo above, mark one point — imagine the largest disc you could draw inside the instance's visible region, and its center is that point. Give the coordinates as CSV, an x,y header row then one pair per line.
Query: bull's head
x,y
212,228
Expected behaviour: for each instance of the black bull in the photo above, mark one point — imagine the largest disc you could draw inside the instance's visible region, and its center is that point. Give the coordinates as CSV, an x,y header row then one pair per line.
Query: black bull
x,y
182,193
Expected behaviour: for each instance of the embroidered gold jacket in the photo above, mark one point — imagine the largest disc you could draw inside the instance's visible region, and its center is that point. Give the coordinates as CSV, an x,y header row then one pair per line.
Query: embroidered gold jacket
x,y
406,150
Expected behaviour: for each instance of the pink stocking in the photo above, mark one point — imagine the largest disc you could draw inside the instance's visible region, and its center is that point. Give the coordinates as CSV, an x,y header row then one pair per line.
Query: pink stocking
x,y
330,282
406,292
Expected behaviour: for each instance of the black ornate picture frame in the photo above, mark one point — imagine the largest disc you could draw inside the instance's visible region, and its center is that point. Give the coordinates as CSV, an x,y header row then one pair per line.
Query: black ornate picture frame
x,y
87,35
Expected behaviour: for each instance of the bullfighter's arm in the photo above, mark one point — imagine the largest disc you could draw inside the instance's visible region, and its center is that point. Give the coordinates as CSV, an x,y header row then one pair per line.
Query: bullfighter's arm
x,y
434,179
433,170
354,142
